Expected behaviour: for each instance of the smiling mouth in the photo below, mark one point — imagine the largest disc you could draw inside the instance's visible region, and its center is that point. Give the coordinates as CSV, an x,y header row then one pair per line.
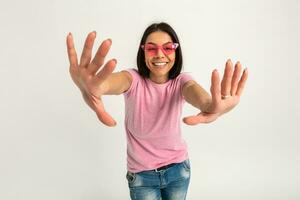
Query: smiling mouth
x,y
159,64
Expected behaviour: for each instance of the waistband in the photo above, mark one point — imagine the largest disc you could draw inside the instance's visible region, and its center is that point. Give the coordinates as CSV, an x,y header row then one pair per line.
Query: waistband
x,y
165,167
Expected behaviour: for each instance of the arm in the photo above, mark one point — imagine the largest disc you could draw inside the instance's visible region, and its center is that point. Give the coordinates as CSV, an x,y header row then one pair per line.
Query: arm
x,y
117,83
224,96
92,82
195,95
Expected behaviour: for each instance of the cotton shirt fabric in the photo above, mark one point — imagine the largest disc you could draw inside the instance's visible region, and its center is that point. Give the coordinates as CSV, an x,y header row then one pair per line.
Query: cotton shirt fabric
x,y
152,122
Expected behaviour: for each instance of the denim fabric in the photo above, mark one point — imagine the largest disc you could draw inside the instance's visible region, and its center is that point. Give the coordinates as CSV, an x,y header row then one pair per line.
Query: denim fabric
x,y
168,184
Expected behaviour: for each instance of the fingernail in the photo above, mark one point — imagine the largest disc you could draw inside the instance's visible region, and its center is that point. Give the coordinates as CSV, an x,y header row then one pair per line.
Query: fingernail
x,y
109,40
70,34
114,123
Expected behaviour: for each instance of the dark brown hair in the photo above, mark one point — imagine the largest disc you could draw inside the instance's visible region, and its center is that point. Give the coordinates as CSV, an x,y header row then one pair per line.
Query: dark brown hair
x,y
142,67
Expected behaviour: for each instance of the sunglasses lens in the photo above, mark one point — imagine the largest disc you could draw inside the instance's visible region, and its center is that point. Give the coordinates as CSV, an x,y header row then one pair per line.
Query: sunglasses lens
x,y
167,49
151,48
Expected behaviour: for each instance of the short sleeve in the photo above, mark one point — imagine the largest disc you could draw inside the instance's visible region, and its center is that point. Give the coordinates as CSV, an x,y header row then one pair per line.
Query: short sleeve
x,y
135,79
183,78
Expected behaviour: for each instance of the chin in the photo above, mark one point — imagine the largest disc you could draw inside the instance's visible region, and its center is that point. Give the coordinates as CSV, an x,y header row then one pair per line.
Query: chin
x,y
160,70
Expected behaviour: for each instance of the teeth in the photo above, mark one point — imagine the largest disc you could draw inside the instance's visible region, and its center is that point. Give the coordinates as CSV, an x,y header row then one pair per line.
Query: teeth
x,y
159,64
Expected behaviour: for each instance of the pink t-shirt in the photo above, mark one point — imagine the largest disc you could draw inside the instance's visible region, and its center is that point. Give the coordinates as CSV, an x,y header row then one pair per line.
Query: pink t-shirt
x,y
152,122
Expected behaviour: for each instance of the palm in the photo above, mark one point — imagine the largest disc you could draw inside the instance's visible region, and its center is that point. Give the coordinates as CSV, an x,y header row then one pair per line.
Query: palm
x,y
86,76
225,96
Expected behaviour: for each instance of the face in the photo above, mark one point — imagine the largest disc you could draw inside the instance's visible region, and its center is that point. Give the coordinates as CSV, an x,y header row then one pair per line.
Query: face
x,y
159,55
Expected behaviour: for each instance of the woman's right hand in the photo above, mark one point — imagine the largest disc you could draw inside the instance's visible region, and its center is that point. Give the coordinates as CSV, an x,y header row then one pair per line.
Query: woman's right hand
x,y
86,76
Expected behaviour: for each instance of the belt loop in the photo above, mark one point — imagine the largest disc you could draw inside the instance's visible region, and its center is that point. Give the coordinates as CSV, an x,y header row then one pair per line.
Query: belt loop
x,y
158,171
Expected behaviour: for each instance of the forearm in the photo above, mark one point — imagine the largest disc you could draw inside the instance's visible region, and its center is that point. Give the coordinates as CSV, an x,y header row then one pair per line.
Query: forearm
x,y
117,83
195,95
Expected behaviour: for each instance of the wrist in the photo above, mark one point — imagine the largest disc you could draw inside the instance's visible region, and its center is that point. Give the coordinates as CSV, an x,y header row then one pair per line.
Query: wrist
x,y
208,107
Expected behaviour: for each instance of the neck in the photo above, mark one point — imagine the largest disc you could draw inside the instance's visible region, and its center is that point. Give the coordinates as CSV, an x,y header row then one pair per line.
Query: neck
x,y
159,79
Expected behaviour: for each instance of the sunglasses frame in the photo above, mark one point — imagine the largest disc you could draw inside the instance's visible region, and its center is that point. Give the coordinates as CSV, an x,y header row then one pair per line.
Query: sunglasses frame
x,y
174,46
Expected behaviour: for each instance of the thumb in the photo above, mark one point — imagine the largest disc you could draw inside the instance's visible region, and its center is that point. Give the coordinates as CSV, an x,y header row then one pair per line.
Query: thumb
x,y
105,118
200,118
102,115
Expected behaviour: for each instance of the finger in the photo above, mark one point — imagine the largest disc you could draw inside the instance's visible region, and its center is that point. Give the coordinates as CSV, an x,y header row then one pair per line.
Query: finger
x,y
71,51
106,70
98,60
235,78
191,120
242,83
226,81
215,87
200,118
102,115
87,49
105,118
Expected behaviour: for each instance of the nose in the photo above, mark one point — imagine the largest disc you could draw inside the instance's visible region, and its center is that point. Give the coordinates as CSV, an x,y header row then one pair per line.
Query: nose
x,y
160,53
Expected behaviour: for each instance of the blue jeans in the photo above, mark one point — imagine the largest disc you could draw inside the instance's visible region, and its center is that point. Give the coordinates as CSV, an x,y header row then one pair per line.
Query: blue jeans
x,y
167,184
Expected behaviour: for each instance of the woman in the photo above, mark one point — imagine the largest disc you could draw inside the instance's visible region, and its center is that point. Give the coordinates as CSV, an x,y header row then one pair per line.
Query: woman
x,y
157,158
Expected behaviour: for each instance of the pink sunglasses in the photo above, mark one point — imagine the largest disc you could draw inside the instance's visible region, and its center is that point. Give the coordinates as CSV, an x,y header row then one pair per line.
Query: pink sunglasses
x,y
167,49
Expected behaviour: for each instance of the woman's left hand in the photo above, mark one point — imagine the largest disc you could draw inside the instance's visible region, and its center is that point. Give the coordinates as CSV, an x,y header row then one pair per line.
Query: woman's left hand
x,y
225,96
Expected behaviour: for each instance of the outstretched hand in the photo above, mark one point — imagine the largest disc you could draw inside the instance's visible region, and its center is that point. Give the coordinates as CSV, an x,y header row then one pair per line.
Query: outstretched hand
x,y
225,96
86,76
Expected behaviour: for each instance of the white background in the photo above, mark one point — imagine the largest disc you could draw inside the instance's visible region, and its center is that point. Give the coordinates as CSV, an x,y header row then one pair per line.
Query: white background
x,y
53,147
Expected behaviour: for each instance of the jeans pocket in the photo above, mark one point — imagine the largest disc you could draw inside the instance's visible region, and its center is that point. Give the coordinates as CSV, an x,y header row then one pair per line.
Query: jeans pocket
x,y
186,164
130,177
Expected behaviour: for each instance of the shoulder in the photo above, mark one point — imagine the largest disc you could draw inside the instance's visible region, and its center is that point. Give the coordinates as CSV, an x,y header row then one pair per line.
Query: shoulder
x,y
184,78
132,73
133,77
